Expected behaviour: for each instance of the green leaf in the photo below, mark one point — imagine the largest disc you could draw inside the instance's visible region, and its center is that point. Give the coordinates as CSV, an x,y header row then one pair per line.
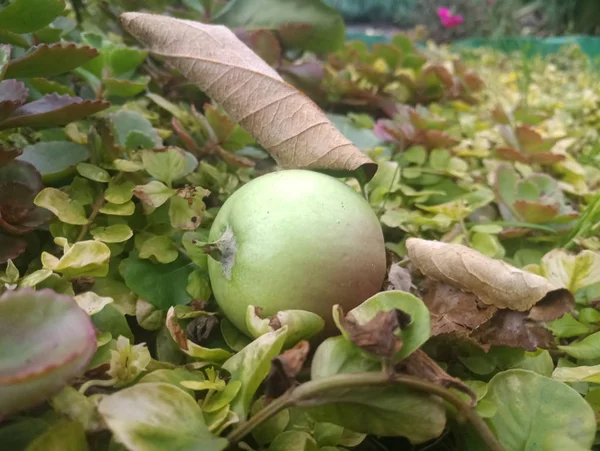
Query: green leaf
x,y
173,377
186,215
158,416
117,233
412,336
62,436
223,398
527,417
506,183
49,60
363,138
307,24
18,18
294,441
337,355
387,411
55,160
18,434
111,320
125,122
124,88
91,302
234,338
573,272
125,209
198,285
577,374
77,407
160,247
251,365
154,193
265,432
301,325
59,203
123,60
567,327
166,164
161,285
119,192
93,172
38,364
586,349
84,258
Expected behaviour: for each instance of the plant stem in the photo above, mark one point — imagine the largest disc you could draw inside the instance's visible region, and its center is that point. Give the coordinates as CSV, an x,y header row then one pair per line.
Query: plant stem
x,y
95,210
310,392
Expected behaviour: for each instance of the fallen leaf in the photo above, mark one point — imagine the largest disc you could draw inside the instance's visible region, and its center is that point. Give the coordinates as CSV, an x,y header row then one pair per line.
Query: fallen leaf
x,y
453,310
284,369
514,329
493,281
284,121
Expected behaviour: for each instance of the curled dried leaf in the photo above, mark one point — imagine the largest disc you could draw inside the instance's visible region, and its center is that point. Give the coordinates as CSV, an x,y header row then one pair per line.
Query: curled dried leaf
x,y
284,369
283,120
493,281
422,366
377,335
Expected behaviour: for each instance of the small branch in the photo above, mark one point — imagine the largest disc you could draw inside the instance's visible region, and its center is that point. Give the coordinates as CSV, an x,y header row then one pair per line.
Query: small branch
x,y
310,392
95,210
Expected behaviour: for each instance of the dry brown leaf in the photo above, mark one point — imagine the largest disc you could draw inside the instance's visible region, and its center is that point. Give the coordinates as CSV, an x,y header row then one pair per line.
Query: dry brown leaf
x,y
290,126
453,310
284,369
456,314
422,366
377,335
493,281
514,329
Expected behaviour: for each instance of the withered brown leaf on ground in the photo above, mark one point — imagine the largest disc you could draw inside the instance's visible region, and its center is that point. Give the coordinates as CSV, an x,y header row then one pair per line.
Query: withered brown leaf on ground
x,y
463,316
493,281
419,364
514,329
453,310
377,336
289,125
284,369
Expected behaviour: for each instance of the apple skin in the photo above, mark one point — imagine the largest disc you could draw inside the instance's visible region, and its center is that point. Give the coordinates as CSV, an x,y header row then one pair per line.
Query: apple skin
x,y
295,239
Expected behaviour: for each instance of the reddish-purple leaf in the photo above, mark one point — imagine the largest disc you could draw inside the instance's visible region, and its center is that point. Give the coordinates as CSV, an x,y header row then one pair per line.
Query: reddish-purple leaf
x,y
11,247
8,154
529,140
53,110
546,158
510,154
13,94
46,341
534,212
265,44
48,60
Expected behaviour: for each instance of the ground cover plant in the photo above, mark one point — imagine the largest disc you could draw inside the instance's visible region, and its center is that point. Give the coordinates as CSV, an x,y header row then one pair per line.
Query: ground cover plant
x,y
145,157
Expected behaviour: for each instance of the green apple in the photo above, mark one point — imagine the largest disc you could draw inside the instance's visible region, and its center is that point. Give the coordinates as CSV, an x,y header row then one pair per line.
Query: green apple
x,y
295,239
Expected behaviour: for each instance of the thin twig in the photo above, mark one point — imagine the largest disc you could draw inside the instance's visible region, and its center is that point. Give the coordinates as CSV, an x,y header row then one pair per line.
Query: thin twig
x,y
312,392
95,210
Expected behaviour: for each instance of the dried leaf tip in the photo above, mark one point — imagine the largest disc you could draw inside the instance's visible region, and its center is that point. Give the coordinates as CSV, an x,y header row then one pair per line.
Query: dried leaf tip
x,y
288,124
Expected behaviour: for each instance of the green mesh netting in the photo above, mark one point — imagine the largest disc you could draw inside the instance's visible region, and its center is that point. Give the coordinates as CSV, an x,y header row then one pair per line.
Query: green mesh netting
x,y
399,12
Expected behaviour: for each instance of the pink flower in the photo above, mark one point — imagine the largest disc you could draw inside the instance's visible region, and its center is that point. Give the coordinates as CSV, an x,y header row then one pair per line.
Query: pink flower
x,y
448,19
